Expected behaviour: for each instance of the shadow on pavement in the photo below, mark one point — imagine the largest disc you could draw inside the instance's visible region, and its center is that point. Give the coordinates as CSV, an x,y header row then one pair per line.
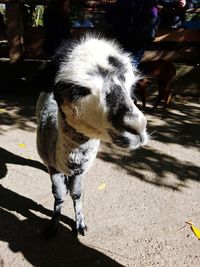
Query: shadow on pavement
x,y
26,236
180,123
159,164
8,157
18,111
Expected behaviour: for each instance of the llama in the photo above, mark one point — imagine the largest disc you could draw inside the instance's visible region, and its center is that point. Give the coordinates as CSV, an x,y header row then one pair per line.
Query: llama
x,y
90,101
163,72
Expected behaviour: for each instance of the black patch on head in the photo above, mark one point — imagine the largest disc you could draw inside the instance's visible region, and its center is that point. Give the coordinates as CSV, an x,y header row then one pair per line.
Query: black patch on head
x,y
114,61
119,66
70,91
115,100
118,69
99,71
121,77
103,72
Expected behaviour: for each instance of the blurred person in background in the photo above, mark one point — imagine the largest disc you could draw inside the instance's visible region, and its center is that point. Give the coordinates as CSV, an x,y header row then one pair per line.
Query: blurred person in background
x,y
175,16
82,21
134,23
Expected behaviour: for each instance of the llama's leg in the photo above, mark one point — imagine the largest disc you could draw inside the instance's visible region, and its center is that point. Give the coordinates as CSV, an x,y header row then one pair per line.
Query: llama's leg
x,y
168,97
158,100
75,187
168,94
164,92
161,92
144,92
59,190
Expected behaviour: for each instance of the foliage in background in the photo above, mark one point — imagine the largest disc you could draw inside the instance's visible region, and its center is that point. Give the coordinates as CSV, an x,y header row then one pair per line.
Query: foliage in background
x,y
2,9
37,17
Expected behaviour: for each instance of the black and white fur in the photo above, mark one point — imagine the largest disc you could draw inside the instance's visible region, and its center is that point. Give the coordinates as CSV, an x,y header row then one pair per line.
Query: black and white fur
x,y
91,101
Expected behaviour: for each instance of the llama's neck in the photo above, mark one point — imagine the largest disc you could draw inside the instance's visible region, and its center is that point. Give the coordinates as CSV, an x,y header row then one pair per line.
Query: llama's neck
x,y
73,146
69,135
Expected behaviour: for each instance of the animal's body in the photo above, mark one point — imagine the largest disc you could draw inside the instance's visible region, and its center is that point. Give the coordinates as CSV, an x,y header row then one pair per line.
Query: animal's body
x,y
163,72
90,101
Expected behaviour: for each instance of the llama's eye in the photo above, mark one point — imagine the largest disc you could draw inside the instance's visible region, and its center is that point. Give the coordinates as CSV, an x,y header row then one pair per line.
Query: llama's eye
x,y
71,92
75,93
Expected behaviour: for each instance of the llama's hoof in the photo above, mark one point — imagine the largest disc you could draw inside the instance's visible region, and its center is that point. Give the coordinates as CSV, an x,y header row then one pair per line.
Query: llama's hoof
x,y
81,230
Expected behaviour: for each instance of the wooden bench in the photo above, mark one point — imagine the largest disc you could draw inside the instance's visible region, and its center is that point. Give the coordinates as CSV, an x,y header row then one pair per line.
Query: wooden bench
x,y
175,45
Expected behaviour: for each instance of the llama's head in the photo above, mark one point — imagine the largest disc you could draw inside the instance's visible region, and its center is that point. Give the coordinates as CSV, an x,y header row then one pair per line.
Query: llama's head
x,y
93,86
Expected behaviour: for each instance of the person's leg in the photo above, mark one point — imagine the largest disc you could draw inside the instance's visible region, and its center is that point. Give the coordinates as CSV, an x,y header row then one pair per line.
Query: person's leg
x,y
137,56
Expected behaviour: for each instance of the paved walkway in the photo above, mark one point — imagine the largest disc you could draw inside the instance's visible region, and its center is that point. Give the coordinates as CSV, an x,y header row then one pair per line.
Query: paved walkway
x,y
135,204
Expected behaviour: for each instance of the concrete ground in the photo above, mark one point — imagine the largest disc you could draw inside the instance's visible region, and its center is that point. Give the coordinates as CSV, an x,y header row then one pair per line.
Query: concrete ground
x,y
136,204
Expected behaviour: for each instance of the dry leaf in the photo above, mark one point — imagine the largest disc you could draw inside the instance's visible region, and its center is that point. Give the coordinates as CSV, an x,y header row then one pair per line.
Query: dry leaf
x,y
2,110
102,186
22,145
195,230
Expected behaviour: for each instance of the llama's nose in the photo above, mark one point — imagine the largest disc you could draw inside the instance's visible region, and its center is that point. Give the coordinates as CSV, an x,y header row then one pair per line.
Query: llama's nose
x,y
135,122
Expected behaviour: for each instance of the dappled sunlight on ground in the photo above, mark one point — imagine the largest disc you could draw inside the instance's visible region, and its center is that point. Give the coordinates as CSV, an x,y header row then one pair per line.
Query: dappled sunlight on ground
x,y
179,123
17,112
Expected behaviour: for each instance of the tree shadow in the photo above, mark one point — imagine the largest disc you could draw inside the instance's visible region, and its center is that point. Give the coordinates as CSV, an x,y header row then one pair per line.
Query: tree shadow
x,y
179,126
180,123
8,157
18,111
25,236
159,164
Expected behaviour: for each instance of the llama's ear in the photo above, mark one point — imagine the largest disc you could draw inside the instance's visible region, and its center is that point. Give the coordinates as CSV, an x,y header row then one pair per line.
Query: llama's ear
x,y
61,87
69,91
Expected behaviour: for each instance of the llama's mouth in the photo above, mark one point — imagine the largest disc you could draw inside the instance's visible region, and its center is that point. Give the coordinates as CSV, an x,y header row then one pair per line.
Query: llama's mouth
x,y
128,140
